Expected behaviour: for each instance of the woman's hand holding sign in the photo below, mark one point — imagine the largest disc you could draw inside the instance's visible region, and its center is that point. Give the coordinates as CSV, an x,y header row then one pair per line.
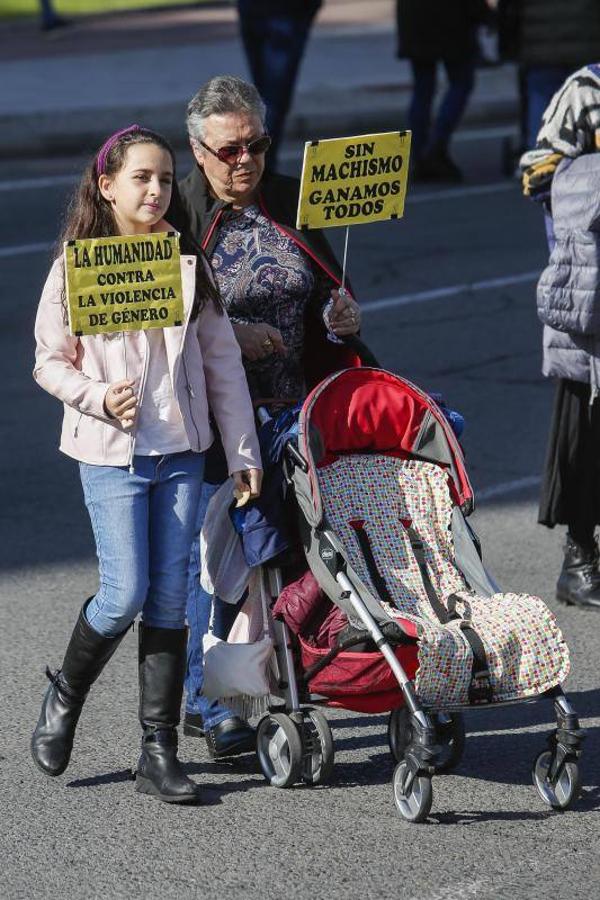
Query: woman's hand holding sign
x,y
120,402
344,318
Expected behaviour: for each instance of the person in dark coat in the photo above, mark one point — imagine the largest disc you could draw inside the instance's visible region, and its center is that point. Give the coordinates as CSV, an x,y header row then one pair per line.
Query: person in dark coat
x,y
280,287
274,35
430,32
551,39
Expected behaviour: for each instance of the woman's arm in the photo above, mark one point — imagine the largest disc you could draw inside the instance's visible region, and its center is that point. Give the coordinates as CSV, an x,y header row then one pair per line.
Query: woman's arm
x,y
56,353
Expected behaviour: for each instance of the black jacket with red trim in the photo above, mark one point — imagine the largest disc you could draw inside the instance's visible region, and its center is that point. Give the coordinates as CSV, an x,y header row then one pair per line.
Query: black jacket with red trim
x,y
198,211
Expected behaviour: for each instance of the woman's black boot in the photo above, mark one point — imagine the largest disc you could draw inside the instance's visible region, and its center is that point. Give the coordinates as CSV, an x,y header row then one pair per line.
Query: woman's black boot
x,y
162,663
579,580
87,654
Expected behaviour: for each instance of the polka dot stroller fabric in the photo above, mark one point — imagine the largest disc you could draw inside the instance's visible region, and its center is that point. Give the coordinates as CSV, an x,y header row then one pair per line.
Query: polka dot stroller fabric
x,y
386,498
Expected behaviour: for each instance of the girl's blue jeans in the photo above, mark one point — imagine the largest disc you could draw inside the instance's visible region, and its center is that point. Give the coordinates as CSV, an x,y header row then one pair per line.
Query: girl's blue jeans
x,y
144,523
199,605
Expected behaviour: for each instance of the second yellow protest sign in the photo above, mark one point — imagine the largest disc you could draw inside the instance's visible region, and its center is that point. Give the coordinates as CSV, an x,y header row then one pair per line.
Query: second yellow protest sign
x,y
123,283
353,180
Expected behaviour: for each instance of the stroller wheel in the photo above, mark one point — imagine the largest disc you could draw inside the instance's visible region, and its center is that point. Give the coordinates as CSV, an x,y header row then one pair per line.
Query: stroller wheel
x,y
399,732
561,793
450,734
317,761
279,749
413,794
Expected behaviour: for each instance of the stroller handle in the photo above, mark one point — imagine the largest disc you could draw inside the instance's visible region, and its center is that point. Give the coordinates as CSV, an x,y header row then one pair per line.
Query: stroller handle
x,y
295,454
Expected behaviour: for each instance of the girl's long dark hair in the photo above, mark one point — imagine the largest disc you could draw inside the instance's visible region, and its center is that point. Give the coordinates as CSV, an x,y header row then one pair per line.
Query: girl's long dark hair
x,y
89,215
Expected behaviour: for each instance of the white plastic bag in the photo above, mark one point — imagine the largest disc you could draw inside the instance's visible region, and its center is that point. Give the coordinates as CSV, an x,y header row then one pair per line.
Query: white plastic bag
x,y
240,668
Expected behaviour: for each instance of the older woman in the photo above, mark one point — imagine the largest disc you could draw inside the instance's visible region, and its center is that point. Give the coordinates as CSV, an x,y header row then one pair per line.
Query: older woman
x,y
275,282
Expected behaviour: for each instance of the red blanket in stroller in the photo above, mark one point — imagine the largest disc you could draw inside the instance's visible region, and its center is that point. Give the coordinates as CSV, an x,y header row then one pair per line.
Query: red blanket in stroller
x,y
358,679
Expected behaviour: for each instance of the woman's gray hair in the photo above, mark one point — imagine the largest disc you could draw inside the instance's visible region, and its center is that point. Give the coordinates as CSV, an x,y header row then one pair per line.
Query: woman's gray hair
x,y
219,96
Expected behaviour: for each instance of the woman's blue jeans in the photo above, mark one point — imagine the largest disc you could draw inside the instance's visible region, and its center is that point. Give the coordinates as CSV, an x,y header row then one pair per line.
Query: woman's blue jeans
x,y
144,523
199,606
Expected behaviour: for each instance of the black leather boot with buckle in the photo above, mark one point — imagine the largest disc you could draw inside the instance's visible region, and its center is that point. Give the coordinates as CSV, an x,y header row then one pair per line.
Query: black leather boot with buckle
x,y
162,662
579,580
87,654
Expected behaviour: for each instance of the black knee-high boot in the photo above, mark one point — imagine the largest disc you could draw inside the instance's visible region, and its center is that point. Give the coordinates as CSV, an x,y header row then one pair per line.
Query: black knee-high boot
x,y
162,662
87,654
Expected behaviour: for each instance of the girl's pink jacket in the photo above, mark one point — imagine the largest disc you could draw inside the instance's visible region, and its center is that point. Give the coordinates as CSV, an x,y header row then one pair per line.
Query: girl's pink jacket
x,y
204,363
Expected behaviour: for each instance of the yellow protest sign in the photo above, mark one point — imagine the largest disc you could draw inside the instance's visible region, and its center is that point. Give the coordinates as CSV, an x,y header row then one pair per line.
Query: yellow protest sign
x,y
123,283
353,180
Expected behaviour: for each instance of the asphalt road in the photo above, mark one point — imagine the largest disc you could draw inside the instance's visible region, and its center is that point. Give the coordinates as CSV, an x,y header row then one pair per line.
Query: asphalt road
x,y
459,318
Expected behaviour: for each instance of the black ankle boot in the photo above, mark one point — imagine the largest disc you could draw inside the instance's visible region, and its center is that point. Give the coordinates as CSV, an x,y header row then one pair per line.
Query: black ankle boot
x,y
162,662
87,654
579,580
232,737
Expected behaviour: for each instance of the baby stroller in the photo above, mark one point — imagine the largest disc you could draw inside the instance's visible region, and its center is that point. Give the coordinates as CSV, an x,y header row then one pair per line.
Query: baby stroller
x,y
382,495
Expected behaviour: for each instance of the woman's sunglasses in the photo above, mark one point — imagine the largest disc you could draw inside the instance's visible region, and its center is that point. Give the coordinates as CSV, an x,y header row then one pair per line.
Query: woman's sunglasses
x,y
232,153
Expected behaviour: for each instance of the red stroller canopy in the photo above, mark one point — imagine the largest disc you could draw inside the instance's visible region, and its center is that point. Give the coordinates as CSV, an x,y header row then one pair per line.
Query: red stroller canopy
x,y
368,410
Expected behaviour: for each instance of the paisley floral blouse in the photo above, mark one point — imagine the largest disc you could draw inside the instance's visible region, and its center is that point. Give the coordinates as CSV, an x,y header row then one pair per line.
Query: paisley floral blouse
x,y
264,276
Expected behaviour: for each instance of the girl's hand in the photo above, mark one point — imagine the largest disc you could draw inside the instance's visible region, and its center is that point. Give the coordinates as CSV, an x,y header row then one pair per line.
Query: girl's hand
x,y
120,402
246,485
258,341
344,318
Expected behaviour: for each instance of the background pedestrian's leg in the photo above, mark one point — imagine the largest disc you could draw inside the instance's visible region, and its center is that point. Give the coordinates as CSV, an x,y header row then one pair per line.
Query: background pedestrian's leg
x,y
461,80
274,45
50,18
419,111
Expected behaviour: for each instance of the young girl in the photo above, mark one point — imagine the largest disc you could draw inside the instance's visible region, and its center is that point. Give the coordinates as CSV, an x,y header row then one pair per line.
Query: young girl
x,y
136,417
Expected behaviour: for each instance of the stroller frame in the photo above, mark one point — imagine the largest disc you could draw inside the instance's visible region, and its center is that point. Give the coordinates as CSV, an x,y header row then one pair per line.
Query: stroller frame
x,y
294,741
555,770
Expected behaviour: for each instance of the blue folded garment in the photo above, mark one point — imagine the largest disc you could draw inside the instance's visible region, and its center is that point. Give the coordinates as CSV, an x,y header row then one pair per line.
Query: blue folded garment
x,y
457,422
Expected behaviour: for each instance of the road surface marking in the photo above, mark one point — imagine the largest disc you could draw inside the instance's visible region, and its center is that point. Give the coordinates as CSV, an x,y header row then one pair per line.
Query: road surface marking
x,y
453,290
23,249
30,184
10,185
507,487
473,190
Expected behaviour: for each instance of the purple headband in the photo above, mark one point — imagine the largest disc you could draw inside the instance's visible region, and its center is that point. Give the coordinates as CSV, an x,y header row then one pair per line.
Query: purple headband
x,y
109,144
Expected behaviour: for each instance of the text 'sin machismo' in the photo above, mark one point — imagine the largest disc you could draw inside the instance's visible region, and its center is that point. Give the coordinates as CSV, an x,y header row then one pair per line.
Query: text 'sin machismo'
x,y
123,283
353,180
